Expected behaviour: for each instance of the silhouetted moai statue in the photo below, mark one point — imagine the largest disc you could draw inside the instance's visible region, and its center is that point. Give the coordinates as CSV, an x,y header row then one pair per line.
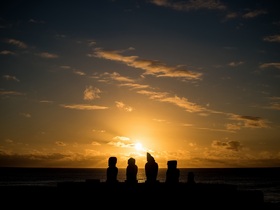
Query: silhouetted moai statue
x,y
172,173
151,169
131,171
190,178
112,170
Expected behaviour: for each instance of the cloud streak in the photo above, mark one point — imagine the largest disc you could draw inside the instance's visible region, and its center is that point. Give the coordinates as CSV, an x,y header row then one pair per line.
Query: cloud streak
x,y
151,67
229,145
83,107
17,43
190,5
250,121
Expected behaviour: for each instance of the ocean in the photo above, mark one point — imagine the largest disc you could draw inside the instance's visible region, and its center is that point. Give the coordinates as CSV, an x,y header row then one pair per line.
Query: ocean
x,y
265,179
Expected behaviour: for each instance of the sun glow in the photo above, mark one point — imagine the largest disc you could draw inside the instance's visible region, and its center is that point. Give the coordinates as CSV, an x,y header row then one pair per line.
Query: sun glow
x,y
138,146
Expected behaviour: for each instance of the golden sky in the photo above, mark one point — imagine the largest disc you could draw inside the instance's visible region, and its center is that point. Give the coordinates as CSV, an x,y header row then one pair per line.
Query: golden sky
x,y
192,81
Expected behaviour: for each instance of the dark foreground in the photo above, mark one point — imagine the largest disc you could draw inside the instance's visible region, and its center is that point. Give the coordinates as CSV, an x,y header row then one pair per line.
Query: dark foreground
x,y
95,195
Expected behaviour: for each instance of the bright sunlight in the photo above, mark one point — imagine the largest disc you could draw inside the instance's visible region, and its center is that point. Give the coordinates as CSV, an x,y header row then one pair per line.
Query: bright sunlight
x,y
138,146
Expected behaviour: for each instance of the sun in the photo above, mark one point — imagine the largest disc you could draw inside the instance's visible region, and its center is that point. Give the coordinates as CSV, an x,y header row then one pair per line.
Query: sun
x,y
138,146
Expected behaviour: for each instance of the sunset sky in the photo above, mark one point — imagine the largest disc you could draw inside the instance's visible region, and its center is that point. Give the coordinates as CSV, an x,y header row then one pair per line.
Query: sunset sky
x,y
197,81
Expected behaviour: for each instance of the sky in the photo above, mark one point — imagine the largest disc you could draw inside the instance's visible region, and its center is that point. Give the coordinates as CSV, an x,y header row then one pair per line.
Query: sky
x,y
195,81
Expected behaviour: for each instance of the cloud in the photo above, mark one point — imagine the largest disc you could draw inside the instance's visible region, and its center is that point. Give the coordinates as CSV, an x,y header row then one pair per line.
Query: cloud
x,y
94,143
75,71
229,145
46,101
60,143
234,64
190,5
183,103
233,127
274,104
31,20
39,159
216,130
153,94
124,81
48,55
151,67
9,77
9,141
121,141
180,102
27,115
83,107
122,138
91,93
65,67
250,121
78,72
159,120
246,15
122,106
254,13
17,43
120,144
10,92
91,43
117,77
232,15
100,131
272,38
135,86
6,52
268,65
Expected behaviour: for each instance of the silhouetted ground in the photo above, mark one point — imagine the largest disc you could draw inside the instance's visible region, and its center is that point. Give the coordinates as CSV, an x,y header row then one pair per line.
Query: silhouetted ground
x,y
94,194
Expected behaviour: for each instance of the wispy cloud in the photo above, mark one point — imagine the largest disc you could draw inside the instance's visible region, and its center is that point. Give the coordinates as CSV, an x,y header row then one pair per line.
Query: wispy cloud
x,y
121,141
83,107
272,38
255,13
229,145
9,77
94,143
180,102
233,127
122,138
274,103
10,92
268,65
245,15
190,5
135,86
91,93
249,121
122,80
17,43
232,15
27,115
47,55
60,143
234,64
78,72
122,106
46,101
151,67
31,20
65,67
75,71
117,77
6,52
